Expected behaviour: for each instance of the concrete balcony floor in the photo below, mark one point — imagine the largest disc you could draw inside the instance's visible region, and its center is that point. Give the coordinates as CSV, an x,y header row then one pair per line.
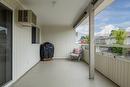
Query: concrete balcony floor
x,y
62,73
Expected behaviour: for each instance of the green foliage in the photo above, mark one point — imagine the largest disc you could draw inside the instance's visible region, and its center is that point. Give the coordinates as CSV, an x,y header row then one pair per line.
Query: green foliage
x,y
85,38
120,35
118,50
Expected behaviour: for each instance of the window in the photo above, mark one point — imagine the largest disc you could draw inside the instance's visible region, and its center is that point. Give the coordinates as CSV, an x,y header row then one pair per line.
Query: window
x,y
35,35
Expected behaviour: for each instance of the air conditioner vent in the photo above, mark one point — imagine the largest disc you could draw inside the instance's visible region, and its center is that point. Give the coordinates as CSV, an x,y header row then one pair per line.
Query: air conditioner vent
x,y
27,18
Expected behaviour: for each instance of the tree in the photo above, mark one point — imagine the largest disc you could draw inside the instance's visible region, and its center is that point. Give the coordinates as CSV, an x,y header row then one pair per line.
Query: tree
x,y
120,35
85,39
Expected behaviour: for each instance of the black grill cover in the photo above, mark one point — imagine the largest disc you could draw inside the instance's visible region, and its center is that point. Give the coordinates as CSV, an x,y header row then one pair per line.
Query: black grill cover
x,y
46,50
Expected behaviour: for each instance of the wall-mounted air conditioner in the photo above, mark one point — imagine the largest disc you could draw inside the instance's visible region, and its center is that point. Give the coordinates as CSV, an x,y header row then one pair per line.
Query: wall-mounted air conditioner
x,y
27,18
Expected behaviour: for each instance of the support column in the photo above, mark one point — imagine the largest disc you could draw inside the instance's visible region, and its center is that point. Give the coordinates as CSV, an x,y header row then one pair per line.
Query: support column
x,y
91,45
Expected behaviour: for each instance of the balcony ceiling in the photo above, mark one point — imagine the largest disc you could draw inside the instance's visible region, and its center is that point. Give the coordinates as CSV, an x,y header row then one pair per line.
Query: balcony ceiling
x,y
56,12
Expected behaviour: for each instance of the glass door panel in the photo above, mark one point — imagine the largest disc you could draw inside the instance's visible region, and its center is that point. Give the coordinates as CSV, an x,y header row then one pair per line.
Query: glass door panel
x,y
2,54
5,44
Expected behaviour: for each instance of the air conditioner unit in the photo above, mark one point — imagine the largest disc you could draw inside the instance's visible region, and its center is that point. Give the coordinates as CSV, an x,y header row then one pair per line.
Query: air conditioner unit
x,y
27,18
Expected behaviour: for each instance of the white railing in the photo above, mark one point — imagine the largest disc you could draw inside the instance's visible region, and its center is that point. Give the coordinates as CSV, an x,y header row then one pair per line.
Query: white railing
x,y
116,68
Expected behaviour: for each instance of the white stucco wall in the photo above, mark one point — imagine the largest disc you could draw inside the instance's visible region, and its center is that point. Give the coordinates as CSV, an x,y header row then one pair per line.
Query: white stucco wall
x,y
63,39
25,54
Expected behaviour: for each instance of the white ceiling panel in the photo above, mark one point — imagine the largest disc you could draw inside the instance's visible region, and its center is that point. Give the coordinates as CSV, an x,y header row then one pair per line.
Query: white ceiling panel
x,y
56,12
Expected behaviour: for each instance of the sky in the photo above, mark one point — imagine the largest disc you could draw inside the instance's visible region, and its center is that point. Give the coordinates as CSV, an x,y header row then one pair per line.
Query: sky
x,y
115,16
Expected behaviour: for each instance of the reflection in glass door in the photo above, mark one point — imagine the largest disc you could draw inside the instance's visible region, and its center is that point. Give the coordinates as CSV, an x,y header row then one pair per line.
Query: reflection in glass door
x,y
5,44
2,54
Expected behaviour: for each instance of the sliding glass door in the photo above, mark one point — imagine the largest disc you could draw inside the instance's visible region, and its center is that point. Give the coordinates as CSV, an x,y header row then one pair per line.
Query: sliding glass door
x,y
5,44
2,54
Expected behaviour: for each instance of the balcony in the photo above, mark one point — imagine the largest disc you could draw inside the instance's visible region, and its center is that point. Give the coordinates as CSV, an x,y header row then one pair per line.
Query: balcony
x,y
99,27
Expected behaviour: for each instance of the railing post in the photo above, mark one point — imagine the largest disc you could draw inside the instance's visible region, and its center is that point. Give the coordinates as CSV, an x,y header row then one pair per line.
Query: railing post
x,y
91,45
